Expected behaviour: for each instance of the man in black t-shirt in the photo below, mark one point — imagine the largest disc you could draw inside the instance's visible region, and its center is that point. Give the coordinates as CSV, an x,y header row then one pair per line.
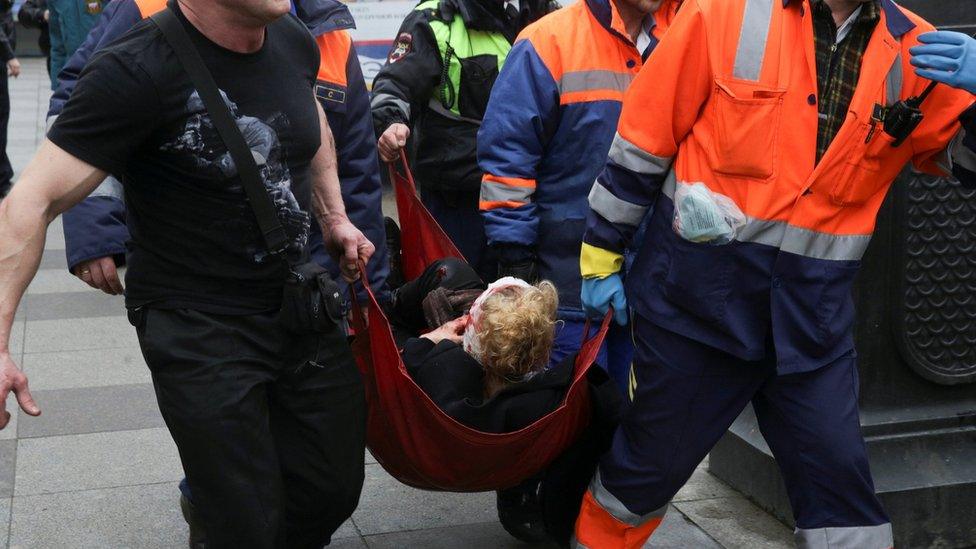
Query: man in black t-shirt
x,y
270,424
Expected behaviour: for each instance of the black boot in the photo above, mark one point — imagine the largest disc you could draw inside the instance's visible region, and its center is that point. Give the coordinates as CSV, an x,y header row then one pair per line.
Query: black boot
x,y
198,540
393,247
520,512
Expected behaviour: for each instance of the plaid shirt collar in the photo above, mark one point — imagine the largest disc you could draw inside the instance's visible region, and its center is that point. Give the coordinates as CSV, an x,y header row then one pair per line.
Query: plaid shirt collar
x,y
898,23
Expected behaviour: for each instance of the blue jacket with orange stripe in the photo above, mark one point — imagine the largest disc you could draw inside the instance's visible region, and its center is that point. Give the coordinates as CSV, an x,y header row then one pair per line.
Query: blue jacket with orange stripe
x,y
545,136
96,227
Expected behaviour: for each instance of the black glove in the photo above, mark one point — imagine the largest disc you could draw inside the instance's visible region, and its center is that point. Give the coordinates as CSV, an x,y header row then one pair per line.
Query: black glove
x,y
517,260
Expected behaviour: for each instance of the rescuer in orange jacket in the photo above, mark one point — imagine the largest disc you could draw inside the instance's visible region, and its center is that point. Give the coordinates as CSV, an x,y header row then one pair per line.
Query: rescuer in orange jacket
x,y
765,133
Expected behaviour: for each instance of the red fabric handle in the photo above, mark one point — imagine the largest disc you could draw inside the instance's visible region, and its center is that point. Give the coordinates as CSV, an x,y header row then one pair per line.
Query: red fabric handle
x,y
406,177
358,319
604,328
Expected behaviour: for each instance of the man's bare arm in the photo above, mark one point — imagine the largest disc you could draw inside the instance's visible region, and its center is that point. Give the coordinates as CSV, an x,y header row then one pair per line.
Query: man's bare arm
x,y
52,182
342,238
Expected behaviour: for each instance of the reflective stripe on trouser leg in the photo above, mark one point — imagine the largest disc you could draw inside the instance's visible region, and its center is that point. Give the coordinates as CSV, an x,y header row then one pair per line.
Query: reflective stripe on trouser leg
x,y
852,537
605,522
812,425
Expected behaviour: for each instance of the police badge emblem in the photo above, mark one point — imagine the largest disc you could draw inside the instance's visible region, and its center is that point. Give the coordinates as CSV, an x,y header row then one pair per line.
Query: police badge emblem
x,y
401,47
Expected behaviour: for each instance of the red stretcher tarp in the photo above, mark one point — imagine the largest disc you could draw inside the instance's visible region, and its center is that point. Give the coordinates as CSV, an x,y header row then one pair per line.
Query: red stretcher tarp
x,y
407,433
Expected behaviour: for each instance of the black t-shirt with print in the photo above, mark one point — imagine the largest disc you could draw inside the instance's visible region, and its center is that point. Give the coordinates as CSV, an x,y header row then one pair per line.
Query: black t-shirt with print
x,y
195,241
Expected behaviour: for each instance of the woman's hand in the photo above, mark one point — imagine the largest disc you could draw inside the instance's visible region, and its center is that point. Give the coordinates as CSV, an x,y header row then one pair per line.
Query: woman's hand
x,y
452,331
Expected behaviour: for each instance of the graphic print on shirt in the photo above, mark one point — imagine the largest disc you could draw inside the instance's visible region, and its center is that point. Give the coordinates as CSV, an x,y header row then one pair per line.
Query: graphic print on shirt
x,y
202,146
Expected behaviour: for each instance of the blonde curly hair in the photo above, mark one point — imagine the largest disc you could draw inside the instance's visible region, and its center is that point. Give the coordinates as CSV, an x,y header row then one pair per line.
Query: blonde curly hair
x,y
516,327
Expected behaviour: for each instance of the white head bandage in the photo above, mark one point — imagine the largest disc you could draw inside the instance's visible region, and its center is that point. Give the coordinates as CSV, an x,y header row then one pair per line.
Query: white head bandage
x,y
472,343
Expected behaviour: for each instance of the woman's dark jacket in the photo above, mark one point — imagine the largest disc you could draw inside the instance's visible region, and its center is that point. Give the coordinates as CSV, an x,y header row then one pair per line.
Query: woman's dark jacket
x,y
454,380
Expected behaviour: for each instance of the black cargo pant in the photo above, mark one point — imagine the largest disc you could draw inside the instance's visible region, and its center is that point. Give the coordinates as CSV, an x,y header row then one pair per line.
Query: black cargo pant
x,y
6,171
270,426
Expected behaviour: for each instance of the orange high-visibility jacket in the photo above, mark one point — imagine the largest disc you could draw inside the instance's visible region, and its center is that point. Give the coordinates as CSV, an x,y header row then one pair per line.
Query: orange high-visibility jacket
x,y
729,99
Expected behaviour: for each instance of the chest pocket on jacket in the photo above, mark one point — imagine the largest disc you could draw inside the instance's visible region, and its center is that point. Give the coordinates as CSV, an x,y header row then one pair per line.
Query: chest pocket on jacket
x,y
857,177
478,75
746,132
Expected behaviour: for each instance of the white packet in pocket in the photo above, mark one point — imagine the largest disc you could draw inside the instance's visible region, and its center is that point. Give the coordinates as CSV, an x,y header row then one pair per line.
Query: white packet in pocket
x,y
706,217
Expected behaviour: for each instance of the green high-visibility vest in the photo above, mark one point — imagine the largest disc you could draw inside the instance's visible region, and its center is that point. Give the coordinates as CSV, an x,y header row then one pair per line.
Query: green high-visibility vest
x,y
456,42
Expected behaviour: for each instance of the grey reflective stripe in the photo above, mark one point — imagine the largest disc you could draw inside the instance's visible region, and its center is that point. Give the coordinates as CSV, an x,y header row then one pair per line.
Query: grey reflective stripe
x,y
852,537
110,187
575,544
613,209
383,99
631,157
960,154
616,509
893,82
436,106
594,80
492,191
792,239
761,231
752,39
832,247
670,185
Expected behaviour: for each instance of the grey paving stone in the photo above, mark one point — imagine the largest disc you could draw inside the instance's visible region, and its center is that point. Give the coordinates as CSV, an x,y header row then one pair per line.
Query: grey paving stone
x,y
5,507
86,304
737,523
45,336
92,461
677,532
703,485
347,530
133,517
52,281
55,235
92,410
388,506
10,431
17,337
53,258
348,543
480,535
78,369
8,461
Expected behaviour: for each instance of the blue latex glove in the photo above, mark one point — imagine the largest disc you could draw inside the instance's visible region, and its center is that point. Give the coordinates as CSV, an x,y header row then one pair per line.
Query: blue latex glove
x,y
600,293
947,57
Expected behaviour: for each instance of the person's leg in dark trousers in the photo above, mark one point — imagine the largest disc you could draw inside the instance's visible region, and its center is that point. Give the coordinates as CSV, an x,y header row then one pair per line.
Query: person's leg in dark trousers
x,y
219,382
6,170
687,395
318,419
811,423
458,214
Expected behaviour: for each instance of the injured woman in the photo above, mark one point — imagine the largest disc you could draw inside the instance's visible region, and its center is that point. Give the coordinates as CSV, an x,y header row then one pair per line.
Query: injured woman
x,y
481,354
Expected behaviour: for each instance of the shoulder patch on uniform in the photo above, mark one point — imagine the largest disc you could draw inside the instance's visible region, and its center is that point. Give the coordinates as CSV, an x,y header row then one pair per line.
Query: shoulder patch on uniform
x,y
330,92
401,47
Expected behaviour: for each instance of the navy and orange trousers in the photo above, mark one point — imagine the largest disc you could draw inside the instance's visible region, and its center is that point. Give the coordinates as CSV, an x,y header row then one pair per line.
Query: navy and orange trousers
x,y
687,394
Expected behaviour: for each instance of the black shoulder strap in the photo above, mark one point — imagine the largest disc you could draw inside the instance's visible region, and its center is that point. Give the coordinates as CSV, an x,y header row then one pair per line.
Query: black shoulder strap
x,y
264,209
